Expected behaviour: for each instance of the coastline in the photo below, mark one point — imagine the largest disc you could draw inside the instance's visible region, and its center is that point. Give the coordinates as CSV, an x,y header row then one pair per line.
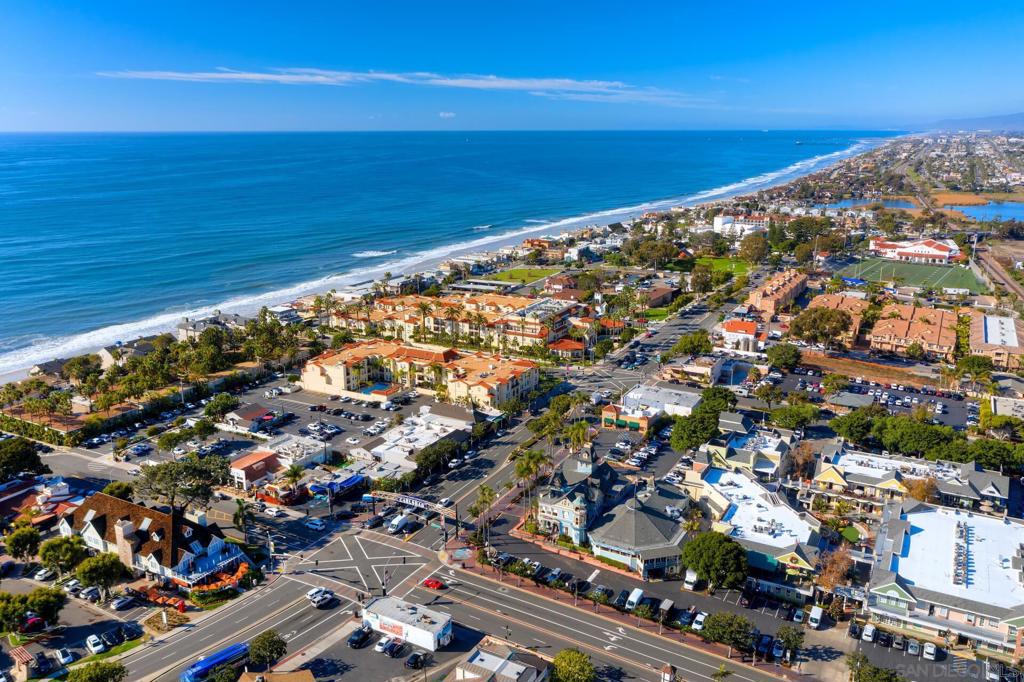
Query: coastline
x,y
14,364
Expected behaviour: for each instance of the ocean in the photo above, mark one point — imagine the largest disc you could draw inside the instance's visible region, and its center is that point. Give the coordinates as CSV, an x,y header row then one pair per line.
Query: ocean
x,y
104,237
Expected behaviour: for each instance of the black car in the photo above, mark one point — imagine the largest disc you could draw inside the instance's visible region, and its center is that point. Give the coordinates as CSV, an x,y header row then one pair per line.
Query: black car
x,y
42,664
854,631
359,507
620,601
884,638
394,648
416,660
764,646
112,637
431,479
374,521
342,514
360,638
131,630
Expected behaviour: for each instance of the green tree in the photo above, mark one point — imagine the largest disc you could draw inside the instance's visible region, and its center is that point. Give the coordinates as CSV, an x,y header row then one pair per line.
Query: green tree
x,y
62,554
267,647
572,665
98,671
834,383
187,481
243,517
784,356
18,455
795,416
821,325
695,343
716,399
792,637
102,570
223,673
915,351
293,474
700,279
643,612
47,602
730,629
23,542
220,405
753,248
716,558
119,489
721,674
694,430
769,394
598,598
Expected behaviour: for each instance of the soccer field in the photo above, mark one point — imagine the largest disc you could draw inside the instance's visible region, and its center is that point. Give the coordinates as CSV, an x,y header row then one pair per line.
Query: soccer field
x,y
915,274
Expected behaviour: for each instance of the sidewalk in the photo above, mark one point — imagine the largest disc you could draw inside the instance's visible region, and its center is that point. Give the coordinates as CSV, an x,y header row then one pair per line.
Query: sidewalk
x,y
337,636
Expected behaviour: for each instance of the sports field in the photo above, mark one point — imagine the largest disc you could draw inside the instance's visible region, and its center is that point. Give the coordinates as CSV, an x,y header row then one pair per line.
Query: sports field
x,y
914,274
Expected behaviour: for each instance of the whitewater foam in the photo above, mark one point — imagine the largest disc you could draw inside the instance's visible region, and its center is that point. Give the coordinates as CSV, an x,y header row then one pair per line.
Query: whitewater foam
x,y
17,361
481,228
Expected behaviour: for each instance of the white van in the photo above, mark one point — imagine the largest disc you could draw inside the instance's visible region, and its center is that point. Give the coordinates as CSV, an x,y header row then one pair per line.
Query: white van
x,y
690,581
398,523
814,620
634,599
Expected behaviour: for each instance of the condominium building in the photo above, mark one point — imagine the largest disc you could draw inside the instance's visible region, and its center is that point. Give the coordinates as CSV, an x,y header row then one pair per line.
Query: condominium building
x,y
901,326
855,307
999,337
778,292
950,576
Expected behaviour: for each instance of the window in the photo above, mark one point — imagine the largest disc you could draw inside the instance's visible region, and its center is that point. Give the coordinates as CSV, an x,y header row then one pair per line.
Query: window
x,y
942,612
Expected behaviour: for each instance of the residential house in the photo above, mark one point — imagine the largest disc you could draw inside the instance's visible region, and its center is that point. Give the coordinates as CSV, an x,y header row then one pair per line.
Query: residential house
x,y
252,417
191,330
579,491
119,353
166,546
254,469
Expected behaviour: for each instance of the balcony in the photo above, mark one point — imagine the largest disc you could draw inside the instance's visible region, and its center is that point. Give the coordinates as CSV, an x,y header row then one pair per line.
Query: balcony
x,y
206,565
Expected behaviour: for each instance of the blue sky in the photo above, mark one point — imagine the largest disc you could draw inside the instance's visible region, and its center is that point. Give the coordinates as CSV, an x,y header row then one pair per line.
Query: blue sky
x,y
444,65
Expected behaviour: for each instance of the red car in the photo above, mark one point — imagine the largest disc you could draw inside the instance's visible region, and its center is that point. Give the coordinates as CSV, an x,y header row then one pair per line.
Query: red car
x,y
433,583
32,624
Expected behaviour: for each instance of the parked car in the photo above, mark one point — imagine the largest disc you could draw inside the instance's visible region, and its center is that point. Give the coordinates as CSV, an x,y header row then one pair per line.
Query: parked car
x,y
91,593
883,639
122,603
95,645
273,511
394,648
854,631
416,660
131,630
913,647
930,652
43,574
382,643
778,650
868,633
315,524
32,623
360,637
375,521
42,663
620,601
112,637
64,656
698,622
899,642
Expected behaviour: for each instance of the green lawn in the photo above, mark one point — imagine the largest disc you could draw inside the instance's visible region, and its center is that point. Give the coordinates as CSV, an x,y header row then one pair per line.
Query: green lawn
x,y
524,275
656,314
733,265
915,274
851,534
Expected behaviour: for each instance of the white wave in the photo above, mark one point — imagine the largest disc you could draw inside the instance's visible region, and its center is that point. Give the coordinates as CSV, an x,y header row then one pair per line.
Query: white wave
x,y
481,228
17,361
374,254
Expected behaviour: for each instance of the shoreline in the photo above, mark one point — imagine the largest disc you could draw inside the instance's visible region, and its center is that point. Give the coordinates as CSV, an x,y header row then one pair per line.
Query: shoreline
x,y
14,364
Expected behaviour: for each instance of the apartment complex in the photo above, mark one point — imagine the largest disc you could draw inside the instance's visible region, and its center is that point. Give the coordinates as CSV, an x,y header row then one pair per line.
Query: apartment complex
x,y
778,292
855,307
901,326
999,337
933,251
376,369
950,576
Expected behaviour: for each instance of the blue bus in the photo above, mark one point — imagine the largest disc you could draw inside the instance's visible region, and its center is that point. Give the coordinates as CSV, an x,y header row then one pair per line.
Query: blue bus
x,y
235,655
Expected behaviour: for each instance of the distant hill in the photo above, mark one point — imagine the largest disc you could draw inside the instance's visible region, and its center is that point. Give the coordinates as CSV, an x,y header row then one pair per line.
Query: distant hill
x,y
1002,122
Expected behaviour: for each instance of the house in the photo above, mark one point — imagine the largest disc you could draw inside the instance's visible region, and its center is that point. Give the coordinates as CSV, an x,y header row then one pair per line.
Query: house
x,y
999,337
644,532
868,481
703,369
285,314
119,353
568,349
780,540
760,451
854,306
643,405
933,251
191,330
743,335
778,292
901,326
579,491
559,283
166,546
950,576
52,368
252,417
659,296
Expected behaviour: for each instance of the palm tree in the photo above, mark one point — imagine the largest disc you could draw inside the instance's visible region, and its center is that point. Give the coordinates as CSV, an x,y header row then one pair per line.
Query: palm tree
x,y
243,517
424,308
293,474
453,314
721,674
528,465
577,433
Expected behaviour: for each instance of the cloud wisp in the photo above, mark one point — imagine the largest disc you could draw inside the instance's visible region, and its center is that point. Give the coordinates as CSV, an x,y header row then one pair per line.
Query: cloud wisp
x,y
552,88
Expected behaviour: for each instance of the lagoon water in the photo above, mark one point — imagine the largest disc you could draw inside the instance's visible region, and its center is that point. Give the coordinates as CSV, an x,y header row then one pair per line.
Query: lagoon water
x,y
104,237
994,210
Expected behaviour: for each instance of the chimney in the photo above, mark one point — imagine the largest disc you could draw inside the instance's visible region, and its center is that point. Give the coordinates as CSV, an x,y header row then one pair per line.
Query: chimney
x,y
124,531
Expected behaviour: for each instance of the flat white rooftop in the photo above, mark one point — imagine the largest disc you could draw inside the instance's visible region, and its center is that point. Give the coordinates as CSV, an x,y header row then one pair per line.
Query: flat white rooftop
x,y
928,558
1001,330
411,614
878,467
653,400
755,513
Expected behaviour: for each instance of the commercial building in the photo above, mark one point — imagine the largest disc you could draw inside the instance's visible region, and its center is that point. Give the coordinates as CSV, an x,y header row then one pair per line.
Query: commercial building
x,y
868,481
901,326
933,251
778,292
165,546
419,626
743,335
704,369
494,662
759,451
644,532
393,452
640,407
736,227
852,305
999,337
951,576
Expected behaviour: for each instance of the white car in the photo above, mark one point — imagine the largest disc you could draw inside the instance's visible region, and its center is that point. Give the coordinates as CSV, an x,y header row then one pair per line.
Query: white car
x,y
454,463
64,656
316,592
869,632
698,622
382,643
95,645
43,574
352,440
315,524
446,502
273,511
931,652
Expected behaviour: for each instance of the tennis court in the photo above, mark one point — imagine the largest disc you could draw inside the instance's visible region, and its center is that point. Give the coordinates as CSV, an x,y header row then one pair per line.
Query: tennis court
x,y
914,274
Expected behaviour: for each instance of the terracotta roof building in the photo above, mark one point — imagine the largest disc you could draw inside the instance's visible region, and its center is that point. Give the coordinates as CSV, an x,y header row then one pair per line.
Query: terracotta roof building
x,y
778,292
999,337
901,326
856,307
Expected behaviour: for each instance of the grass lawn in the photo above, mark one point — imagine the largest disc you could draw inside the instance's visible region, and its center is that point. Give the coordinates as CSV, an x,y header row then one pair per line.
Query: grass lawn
x,y
915,274
656,314
734,265
524,275
851,534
